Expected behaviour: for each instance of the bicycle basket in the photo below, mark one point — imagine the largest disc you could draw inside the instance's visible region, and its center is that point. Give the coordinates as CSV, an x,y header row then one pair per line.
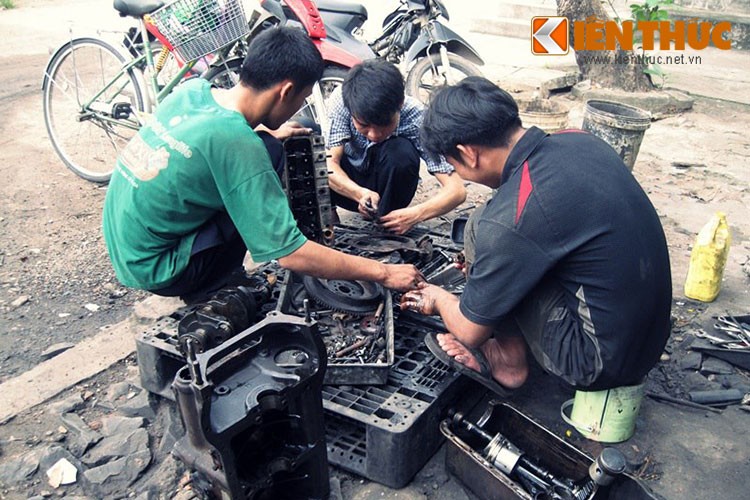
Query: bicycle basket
x,y
196,28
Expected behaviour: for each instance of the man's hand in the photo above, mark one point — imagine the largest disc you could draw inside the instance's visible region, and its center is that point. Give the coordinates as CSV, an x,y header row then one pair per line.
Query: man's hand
x,y
402,277
400,221
368,203
290,129
422,300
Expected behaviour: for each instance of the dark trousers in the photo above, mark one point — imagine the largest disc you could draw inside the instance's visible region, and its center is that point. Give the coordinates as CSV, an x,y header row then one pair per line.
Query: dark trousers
x,y
392,172
218,249
545,321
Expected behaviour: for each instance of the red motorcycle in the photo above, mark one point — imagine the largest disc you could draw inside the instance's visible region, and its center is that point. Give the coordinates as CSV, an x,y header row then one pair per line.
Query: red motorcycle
x,y
338,47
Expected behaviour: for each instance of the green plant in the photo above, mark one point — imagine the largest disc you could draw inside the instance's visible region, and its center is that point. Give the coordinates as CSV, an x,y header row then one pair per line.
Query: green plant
x,y
7,4
651,10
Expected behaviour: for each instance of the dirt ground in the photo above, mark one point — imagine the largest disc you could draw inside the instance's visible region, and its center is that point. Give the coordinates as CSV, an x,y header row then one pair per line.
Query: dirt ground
x,y
57,286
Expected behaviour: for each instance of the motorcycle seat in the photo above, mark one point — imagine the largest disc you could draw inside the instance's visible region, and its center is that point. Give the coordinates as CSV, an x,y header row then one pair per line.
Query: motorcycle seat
x,y
342,7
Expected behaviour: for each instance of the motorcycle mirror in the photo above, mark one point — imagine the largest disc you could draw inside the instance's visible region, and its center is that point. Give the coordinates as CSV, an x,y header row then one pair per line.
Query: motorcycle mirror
x,y
443,10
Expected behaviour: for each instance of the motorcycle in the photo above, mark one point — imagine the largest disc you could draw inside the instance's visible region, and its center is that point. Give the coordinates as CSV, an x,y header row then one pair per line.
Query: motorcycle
x,y
414,37
339,48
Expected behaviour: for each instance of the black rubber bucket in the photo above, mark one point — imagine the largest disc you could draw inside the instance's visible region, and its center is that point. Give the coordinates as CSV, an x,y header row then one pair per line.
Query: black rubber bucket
x,y
620,125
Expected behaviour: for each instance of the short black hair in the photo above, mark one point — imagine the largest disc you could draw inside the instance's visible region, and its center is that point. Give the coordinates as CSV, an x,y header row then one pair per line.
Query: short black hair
x,y
280,54
373,91
475,111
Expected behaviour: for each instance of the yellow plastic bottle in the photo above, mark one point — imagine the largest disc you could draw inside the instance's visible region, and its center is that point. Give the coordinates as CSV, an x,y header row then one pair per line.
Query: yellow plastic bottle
x,y
707,259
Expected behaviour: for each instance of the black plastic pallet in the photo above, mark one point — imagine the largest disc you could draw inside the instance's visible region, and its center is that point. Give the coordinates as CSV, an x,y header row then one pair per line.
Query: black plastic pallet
x,y
387,433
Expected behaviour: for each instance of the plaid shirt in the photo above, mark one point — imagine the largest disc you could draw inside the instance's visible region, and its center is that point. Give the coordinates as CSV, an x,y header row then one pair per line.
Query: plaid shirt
x,y
342,131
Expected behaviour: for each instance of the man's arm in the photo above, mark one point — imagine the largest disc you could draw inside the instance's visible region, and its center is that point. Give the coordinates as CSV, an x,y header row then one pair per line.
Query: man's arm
x,y
431,299
343,185
451,194
317,260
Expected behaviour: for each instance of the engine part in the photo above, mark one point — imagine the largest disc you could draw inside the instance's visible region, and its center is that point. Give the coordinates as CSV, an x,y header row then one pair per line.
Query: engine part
x,y
606,478
253,414
353,297
305,181
538,481
230,311
608,465
411,250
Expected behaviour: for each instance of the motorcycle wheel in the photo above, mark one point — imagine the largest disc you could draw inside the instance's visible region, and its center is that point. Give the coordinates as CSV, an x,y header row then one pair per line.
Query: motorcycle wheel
x,y
428,74
333,77
227,75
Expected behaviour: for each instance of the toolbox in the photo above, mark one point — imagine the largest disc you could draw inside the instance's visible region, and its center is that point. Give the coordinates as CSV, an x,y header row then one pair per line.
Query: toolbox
x,y
467,458
376,360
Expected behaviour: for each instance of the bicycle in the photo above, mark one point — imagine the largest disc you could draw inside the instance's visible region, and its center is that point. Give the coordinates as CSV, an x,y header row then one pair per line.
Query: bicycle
x,y
97,94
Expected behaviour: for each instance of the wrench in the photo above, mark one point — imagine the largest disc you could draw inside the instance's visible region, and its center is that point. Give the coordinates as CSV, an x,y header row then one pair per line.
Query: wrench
x,y
718,341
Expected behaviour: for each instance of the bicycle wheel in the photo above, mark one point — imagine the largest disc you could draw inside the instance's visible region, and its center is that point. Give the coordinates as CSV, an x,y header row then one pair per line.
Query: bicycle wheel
x,y
87,134
428,74
227,75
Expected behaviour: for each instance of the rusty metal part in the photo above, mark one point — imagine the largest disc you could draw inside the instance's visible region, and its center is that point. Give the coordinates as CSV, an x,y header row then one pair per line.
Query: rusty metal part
x,y
385,243
358,344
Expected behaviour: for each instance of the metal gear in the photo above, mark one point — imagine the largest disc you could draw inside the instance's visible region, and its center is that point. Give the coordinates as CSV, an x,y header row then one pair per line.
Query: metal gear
x,y
354,297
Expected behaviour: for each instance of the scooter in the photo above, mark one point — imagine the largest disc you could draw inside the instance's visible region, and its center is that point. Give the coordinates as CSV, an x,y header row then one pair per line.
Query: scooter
x,y
339,48
414,37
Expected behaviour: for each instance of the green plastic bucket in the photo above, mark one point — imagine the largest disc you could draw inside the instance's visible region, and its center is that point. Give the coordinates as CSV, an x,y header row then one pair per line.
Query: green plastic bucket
x,y
606,416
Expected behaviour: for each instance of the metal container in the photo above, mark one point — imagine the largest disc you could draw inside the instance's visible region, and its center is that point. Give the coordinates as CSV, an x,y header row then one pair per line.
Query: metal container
x,y
351,369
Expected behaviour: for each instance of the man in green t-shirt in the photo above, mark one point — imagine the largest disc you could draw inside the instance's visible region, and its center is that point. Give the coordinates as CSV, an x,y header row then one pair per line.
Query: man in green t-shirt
x,y
196,189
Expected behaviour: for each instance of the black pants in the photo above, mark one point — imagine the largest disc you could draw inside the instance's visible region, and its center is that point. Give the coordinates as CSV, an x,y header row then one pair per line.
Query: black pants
x,y
392,172
218,250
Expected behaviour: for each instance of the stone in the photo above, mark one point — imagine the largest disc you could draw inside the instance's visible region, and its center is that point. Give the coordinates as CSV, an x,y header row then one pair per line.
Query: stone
x,y
138,406
91,307
112,478
660,103
56,349
61,473
116,424
694,381
84,438
66,405
691,361
735,381
715,365
335,487
14,471
117,446
118,390
19,301
166,473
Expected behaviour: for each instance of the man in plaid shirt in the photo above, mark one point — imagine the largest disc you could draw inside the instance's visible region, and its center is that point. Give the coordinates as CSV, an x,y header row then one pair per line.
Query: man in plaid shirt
x,y
375,150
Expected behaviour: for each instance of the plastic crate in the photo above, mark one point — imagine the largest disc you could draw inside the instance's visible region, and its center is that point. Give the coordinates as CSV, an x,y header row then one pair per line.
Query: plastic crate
x,y
387,433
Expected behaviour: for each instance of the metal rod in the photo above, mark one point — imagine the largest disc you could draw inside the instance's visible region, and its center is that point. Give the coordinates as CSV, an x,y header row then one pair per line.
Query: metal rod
x,y
360,343
683,402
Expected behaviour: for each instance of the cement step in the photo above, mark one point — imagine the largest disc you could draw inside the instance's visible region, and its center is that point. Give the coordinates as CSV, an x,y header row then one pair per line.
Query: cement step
x,y
740,34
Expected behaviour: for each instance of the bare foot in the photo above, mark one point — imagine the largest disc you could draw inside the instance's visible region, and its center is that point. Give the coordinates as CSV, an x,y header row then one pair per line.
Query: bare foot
x,y
506,357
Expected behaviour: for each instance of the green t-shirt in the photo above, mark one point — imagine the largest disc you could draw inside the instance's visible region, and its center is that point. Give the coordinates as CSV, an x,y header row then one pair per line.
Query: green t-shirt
x,y
193,160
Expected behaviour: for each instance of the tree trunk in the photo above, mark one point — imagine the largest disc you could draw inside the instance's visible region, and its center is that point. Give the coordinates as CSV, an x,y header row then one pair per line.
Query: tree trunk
x,y
628,76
